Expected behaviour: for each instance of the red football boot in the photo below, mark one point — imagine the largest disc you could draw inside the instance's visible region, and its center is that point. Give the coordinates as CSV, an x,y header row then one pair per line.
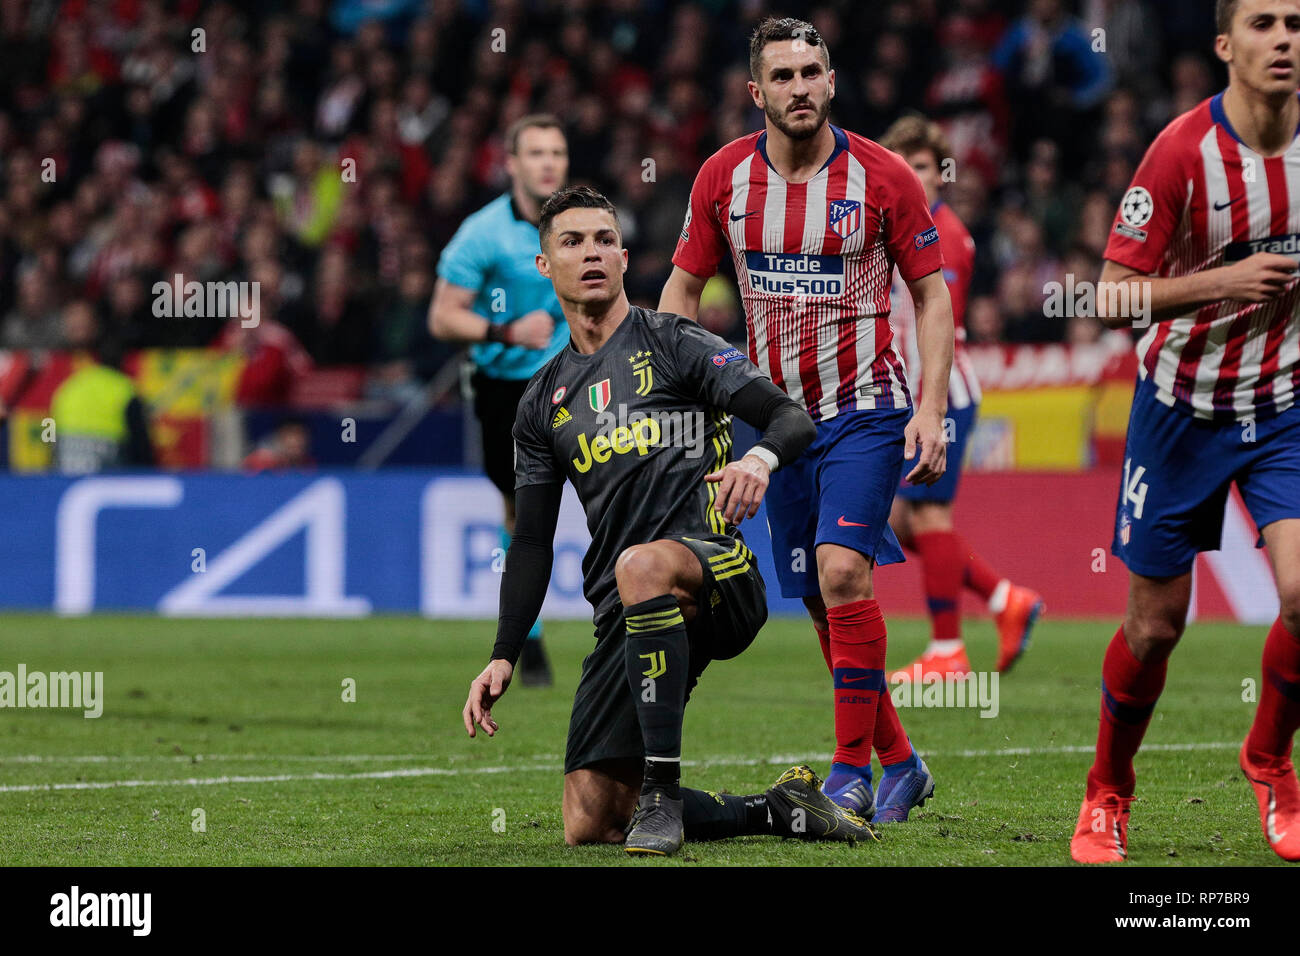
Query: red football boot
x,y
1015,623
1101,835
1279,803
955,664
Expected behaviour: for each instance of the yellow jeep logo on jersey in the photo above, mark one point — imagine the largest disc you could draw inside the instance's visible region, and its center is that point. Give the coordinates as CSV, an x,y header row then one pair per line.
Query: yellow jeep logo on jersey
x,y
641,436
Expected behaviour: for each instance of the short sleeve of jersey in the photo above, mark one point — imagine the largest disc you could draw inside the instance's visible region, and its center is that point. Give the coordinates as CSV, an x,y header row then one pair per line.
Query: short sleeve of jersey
x,y
958,270
467,259
910,232
534,460
702,365
1150,211
702,244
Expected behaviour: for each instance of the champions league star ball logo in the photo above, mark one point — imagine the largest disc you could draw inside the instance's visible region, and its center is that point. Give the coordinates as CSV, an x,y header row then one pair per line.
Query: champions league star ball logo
x,y
1137,207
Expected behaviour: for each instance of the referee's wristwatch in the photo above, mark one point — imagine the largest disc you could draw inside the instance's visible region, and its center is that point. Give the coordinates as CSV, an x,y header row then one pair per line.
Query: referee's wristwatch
x,y
498,332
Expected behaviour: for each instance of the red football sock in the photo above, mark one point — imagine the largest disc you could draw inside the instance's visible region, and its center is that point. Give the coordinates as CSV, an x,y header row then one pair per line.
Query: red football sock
x,y
979,574
825,638
1129,691
943,565
1278,713
891,743
890,740
858,654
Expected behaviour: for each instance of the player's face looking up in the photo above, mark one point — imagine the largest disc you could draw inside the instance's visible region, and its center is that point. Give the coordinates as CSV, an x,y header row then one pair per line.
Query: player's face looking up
x,y
541,163
795,87
926,166
1262,47
584,258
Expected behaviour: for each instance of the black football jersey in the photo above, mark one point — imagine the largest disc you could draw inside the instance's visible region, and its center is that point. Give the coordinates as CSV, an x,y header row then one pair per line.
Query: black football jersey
x,y
635,427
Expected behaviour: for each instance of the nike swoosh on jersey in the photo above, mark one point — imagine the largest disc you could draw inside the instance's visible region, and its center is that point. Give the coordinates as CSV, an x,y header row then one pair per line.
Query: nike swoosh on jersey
x,y
851,524
735,218
1220,206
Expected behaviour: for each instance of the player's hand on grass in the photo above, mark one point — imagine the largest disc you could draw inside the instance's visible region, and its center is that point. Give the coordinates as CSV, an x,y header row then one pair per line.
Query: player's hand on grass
x,y
1258,278
741,486
484,691
532,331
924,441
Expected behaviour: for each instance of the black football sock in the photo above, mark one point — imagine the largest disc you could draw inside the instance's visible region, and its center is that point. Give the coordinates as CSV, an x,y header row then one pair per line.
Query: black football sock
x,y
657,660
716,816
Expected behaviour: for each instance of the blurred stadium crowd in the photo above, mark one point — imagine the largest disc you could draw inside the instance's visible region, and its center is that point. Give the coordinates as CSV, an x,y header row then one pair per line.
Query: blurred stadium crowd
x,y
226,163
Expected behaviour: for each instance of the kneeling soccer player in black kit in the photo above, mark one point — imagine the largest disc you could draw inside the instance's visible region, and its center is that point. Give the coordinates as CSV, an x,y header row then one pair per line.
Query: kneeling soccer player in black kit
x,y
635,411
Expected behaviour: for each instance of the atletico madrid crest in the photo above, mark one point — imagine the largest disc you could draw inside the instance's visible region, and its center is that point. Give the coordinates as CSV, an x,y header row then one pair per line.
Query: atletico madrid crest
x,y
845,217
598,395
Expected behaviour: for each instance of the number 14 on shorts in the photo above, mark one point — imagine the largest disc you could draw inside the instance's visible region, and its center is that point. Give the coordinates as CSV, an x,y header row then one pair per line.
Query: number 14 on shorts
x,y
1135,489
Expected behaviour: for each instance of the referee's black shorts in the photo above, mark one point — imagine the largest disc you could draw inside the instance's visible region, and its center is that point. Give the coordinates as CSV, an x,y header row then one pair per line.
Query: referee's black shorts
x,y
495,402
732,607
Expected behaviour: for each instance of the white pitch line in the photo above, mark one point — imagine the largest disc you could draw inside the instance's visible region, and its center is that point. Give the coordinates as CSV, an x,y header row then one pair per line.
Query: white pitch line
x,y
535,768
361,758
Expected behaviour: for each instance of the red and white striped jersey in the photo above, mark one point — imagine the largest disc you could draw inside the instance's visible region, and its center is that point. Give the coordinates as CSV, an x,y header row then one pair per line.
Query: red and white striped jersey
x,y
1202,199
958,269
814,262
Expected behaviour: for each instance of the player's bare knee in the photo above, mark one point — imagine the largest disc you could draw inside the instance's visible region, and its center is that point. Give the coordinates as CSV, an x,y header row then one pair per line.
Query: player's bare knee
x,y
1289,611
586,821
930,516
587,831
843,578
1152,636
642,572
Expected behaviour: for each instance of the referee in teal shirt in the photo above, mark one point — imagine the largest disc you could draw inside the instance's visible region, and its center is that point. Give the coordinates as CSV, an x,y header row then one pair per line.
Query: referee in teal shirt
x,y
490,294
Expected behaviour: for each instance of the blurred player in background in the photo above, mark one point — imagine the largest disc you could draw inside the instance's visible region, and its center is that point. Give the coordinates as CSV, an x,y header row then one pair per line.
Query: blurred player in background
x,y
816,219
1215,403
489,293
922,514
668,575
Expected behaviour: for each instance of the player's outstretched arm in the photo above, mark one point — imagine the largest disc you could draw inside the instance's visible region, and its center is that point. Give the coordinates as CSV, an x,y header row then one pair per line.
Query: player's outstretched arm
x,y
787,431
523,589
681,295
924,438
1126,296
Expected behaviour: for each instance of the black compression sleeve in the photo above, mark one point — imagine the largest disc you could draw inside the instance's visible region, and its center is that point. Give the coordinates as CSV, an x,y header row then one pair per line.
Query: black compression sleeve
x,y
787,429
528,566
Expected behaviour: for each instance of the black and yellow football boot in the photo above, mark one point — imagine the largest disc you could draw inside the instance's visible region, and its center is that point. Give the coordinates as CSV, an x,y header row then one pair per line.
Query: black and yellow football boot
x,y
800,810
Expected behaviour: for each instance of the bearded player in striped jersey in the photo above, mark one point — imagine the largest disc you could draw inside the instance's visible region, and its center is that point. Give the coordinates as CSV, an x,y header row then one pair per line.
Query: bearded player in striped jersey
x,y
1196,245
922,514
816,218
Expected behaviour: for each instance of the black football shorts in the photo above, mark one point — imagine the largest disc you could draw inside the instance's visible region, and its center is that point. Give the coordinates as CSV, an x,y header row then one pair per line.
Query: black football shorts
x,y
732,607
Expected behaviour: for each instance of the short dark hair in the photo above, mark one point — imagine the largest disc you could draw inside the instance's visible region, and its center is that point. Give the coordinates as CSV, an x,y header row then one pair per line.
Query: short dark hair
x,y
531,121
774,29
1224,11
573,197
913,134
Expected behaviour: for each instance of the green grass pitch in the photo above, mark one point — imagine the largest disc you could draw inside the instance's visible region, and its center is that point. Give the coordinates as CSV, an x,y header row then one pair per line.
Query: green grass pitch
x,y
245,721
